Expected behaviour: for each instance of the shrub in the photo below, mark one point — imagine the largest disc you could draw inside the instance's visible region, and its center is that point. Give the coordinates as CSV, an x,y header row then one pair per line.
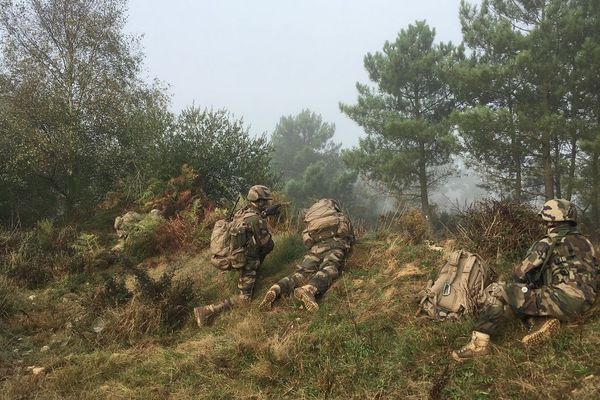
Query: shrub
x,y
492,228
10,301
174,299
144,239
28,263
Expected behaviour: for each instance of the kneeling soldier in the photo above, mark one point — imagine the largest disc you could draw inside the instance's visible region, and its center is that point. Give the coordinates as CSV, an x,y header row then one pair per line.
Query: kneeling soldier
x,y
252,227
556,282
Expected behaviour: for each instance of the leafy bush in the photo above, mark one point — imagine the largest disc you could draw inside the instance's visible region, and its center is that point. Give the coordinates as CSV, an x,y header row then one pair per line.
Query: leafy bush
x,y
112,293
144,240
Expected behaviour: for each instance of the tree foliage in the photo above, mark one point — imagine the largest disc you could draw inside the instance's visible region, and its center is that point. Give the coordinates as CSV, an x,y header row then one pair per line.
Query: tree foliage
x,y
222,151
69,87
309,160
405,116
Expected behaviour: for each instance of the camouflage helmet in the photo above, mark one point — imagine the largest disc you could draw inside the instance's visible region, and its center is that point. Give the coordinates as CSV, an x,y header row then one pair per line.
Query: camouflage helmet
x,y
558,210
258,192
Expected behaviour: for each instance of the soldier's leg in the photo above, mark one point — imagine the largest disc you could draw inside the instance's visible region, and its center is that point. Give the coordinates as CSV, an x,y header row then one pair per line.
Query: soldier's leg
x,y
206,315
248,279
331,268
286,285
322,280
495,311
546,307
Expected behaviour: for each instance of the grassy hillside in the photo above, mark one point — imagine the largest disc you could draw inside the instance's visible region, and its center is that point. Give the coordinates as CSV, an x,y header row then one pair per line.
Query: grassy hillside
x,y
363,343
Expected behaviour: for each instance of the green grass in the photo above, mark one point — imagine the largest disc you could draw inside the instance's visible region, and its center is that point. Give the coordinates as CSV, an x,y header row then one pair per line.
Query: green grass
x,y
363,343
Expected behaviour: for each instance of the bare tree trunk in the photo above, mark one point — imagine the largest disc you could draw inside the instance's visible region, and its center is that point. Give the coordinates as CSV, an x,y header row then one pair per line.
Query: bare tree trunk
x,y
423,181
572,161
516,159
595,188
547,168
557,169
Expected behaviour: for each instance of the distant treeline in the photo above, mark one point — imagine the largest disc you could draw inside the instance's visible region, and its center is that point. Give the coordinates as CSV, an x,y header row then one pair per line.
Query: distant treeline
x,y
518,101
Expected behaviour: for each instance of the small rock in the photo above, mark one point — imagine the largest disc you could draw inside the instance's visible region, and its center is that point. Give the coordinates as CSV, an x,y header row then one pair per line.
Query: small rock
x,y
44,349
99,326
36,370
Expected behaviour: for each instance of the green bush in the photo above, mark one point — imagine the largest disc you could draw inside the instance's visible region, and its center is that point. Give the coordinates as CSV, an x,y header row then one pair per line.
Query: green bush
x,y
144,239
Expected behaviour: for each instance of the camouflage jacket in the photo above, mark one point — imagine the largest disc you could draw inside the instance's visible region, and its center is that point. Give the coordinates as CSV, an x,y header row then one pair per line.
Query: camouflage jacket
x,y
260,242
572,265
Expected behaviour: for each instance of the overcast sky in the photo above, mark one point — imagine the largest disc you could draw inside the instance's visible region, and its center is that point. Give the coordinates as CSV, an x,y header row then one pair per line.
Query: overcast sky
x,y
262,59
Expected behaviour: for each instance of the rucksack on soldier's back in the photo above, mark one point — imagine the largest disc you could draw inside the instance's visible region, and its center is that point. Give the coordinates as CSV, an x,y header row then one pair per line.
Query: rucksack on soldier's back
x,y
324,220
458,288
228,241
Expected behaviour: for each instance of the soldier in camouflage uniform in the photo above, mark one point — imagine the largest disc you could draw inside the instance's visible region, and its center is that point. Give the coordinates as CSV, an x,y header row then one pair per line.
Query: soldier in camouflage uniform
x,y
556,282
320,267
257,248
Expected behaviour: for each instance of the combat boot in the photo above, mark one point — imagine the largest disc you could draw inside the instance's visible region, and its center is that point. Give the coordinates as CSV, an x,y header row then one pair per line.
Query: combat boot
x,y
541,330
270,297
204,315
306,294
207,314
478,346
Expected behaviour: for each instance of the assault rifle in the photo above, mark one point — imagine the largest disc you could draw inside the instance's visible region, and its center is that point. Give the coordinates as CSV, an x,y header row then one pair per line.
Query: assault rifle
x,y
230,216
275,209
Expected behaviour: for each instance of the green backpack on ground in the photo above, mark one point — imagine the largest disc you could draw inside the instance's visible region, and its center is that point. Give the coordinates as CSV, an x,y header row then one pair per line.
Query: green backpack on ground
x,y
458,288
228,241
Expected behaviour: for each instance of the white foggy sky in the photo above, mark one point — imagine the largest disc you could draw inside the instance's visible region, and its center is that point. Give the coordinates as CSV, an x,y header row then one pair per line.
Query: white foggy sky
x,y
262,59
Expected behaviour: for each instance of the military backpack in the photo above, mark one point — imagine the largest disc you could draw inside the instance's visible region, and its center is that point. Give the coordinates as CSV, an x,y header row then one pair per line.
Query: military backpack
x,y
229,240
458,288
324,220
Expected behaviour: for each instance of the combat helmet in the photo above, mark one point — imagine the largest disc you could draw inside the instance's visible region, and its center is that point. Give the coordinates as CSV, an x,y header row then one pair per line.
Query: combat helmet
x,y
258,192
558,210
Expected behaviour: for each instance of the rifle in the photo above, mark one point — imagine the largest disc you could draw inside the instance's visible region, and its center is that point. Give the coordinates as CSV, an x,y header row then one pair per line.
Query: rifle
x,y
230,216
275,209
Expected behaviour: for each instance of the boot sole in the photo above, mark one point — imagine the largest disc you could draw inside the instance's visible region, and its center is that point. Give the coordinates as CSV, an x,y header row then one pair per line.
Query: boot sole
x,y
541,335
460,359
267,302
309,303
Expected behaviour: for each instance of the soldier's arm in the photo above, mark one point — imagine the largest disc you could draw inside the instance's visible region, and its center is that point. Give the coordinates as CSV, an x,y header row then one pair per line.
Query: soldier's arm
x,y
534,259
261,234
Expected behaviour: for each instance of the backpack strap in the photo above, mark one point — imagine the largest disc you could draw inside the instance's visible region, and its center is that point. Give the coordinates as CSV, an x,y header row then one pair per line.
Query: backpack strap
x,y
560,235
453,261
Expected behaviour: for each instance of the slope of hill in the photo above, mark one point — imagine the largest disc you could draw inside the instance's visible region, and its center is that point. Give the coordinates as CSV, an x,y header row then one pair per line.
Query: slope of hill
x,y
363,343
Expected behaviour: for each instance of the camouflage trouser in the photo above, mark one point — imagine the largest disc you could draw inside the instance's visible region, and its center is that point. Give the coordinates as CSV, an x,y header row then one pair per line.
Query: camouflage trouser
x,y
317,270
248,278
245,286
503,300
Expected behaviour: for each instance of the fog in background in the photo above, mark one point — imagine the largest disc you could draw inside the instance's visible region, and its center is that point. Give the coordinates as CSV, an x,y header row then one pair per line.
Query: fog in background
x,y
264,59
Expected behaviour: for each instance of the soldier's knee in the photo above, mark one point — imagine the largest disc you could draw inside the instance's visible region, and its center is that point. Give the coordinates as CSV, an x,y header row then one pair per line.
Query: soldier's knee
x,y
494,294
331,270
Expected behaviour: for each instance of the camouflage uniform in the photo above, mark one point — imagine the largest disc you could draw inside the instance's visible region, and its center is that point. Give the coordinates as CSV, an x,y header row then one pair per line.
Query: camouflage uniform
x,y
258,247
319,268
125,223
321,265
565,290
556,282
259,244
